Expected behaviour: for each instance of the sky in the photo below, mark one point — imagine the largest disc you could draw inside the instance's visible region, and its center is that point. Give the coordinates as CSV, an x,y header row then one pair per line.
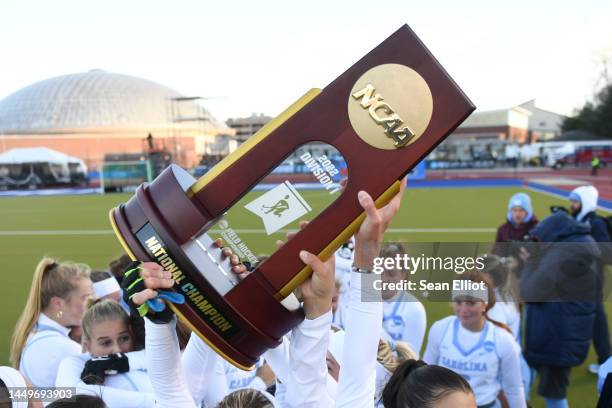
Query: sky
x,y
260,56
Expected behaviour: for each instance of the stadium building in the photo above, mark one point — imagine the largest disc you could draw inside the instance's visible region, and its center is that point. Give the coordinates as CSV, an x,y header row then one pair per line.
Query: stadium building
x,y
510,125
488,136
247,127
88,115
525,123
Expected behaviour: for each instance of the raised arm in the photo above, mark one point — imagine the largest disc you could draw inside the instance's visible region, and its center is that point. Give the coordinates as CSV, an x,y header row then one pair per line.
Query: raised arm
x,y
357,380
163,354
164,366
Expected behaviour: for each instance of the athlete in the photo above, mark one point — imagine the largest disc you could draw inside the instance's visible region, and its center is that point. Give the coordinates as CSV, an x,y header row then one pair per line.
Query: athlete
x,y
415,384
56,303
110,369
482,350
506,310
307,371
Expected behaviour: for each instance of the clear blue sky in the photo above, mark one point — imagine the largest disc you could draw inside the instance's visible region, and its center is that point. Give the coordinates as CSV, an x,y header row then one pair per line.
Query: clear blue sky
x,y
262,55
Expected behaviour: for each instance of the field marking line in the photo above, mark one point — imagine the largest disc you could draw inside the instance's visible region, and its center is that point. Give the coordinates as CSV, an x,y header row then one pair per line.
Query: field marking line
x,y
54,232
10,233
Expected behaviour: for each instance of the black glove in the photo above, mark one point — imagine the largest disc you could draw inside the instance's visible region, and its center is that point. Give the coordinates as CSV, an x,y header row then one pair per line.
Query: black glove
x,y
98,368
133,283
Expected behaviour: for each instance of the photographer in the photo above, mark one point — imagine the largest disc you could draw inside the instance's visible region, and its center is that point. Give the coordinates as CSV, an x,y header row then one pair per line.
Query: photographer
x,y
520,219
558,285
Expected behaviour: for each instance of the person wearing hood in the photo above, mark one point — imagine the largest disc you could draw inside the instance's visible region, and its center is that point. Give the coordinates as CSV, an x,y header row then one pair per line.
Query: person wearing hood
x,y
583,204
583,207
559,288
520,220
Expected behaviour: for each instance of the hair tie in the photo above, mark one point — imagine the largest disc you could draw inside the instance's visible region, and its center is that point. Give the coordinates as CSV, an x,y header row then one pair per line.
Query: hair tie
x,y
50,266
413,366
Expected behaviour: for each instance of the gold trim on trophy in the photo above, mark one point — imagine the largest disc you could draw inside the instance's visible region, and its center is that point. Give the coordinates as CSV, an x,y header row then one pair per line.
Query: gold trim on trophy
x,y
124,244
342,237
253,140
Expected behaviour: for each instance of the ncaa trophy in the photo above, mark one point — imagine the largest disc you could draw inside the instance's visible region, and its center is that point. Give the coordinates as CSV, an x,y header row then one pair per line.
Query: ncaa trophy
x,y
383,115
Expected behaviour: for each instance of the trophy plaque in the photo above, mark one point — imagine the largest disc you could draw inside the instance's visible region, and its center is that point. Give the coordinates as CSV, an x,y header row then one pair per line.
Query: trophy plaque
x,y
383,115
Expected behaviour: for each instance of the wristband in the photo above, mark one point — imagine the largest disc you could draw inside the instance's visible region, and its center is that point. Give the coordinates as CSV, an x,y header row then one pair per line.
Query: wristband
x,y
360,270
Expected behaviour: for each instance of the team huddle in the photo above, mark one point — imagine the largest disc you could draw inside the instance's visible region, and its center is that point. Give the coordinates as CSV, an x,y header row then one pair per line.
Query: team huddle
x,y
109,335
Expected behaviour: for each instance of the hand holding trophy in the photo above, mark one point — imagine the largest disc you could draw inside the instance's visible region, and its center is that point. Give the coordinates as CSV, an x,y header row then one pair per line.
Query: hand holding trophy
x,y
384,115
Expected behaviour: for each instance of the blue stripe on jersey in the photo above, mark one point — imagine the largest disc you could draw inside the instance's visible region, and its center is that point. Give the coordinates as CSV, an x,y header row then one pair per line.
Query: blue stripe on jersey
x,y
127,377
478,345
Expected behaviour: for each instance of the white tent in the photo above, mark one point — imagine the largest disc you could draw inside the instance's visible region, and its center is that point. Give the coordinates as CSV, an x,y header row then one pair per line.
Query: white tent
x,y
22,166
23,155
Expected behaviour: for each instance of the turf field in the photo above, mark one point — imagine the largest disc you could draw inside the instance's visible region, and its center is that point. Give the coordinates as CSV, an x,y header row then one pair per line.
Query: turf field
x,y
77,228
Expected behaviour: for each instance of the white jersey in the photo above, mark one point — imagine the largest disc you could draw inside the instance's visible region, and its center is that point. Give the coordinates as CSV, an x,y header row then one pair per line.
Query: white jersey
x,y
204,372
488,360
46,347
404,319
125,390
508,314
238,379
183,384
357,380
345,256
356,355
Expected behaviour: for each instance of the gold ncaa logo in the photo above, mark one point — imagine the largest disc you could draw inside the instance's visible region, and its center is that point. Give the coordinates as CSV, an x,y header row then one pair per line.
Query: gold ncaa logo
x,y
390,106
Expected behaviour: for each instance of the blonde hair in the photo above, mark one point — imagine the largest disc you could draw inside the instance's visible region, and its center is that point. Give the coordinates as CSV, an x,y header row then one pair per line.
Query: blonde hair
x,y
390,360
102,311
246,397
51,279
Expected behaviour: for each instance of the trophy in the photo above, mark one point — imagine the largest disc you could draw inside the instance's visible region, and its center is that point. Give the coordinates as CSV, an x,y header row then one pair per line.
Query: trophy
x,y
383,115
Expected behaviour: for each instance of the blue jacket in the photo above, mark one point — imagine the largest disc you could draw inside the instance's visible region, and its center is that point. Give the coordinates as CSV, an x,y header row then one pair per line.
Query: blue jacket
x,y
559,285
599,231
588,196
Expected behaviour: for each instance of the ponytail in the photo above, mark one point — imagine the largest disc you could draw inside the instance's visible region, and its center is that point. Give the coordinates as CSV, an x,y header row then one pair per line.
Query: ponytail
x,y
497,323
415,384
50,279
391,358
396,391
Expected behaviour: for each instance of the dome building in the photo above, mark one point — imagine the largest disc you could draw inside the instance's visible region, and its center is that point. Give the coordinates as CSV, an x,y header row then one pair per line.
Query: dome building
x,y
88,115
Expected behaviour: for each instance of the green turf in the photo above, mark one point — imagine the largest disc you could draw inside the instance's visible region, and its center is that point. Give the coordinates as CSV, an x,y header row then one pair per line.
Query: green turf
x,y
421,208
